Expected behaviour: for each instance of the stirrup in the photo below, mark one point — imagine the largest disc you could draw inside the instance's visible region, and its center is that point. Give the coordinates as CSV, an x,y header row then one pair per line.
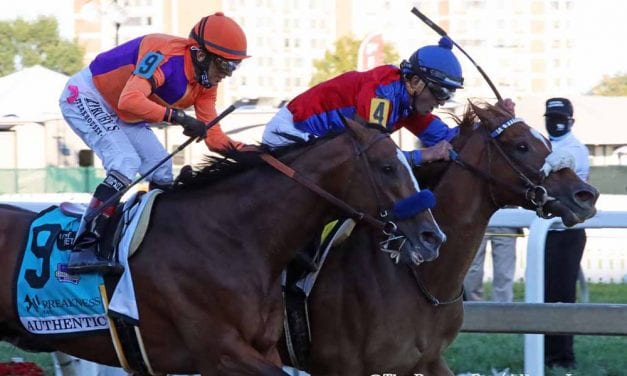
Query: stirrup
x,y
86,261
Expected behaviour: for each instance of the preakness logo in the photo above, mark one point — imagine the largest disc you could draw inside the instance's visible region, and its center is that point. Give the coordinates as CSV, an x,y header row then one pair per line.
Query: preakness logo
x,y
34,303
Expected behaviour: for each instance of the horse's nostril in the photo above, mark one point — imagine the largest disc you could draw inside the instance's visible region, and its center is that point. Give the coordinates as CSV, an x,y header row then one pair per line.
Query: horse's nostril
x,y
585,196
430,238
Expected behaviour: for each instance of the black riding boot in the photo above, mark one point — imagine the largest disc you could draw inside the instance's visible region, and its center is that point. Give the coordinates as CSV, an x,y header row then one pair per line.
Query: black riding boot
x,y
86,256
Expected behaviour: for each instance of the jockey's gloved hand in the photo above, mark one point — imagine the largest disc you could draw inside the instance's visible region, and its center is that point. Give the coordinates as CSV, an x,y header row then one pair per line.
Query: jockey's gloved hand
x,y
414,157
192,127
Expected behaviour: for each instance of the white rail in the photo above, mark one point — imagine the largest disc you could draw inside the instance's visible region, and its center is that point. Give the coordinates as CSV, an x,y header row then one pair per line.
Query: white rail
x,y
534,275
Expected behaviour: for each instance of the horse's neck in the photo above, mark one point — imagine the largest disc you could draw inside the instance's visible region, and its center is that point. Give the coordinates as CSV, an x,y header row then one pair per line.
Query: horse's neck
x,y
463,212
270,216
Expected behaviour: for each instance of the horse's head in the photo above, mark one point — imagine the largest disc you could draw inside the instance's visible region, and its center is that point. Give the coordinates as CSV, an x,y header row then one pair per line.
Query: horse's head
x,y
521,169
365,169
388,187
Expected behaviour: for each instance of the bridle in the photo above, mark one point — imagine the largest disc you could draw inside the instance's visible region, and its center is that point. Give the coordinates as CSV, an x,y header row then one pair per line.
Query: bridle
x,y
536,194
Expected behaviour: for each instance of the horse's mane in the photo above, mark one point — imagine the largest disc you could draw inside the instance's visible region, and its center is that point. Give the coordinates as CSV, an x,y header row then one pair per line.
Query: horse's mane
x,y
217,168
429,175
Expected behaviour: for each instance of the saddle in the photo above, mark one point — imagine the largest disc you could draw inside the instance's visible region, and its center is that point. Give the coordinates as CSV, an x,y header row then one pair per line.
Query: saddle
x,y
298,280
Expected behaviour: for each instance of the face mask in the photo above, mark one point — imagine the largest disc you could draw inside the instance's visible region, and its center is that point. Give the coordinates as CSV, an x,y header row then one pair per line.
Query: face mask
x,y
557,126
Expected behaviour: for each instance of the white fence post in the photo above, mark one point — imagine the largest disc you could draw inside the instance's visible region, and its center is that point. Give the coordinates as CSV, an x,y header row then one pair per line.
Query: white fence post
x,y
534,291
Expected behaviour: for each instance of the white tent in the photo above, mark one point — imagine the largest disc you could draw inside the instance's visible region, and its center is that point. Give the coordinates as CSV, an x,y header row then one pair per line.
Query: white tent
x,y
31,95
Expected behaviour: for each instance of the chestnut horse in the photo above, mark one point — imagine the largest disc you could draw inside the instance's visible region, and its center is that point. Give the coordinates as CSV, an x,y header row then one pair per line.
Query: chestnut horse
x,y
369,316
207,273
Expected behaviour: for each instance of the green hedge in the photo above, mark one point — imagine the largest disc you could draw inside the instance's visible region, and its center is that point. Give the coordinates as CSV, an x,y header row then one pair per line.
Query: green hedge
x,y
50,180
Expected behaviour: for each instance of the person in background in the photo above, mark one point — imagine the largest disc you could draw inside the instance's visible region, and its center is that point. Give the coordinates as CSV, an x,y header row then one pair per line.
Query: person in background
x,y
563,248
391,96
503,243
150,79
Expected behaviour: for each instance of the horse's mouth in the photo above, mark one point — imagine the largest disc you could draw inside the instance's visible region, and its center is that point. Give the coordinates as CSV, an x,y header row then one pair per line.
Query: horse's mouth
x,y
400,249
416,258
569,216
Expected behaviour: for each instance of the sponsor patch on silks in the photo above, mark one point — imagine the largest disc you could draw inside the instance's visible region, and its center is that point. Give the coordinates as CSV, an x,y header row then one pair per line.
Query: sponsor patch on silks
x,y
379,111
148,64
49,299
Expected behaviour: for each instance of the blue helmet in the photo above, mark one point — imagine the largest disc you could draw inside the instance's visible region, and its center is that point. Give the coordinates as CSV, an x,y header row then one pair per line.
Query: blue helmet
x,y
436,64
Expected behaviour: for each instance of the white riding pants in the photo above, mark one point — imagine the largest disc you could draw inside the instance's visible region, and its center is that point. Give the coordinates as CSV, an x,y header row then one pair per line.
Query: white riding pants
x,y
282,122
126,148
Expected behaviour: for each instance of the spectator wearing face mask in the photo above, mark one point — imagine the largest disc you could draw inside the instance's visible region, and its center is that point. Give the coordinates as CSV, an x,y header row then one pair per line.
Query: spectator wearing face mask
x,y
563,248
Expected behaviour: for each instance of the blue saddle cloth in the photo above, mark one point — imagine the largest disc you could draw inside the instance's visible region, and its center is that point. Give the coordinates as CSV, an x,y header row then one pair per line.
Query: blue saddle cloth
x,y
49,300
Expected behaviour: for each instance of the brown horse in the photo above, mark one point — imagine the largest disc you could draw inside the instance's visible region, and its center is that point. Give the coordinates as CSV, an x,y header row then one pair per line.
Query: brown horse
x,y
206,275
369,316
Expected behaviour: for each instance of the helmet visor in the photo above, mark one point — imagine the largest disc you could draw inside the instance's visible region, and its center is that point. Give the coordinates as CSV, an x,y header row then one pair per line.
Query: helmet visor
x,y
441,78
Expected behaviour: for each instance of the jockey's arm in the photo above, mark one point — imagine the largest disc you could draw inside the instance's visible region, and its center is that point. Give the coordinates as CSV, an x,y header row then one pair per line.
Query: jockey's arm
x,y
216,139
435,136
134,100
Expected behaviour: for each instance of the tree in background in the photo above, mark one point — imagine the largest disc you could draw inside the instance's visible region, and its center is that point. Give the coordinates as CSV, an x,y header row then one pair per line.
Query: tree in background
x,y
344,59
612,86
37,42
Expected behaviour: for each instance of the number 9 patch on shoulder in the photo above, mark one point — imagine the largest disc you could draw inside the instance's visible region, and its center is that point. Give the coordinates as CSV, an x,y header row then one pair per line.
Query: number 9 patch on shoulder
x,y
379,111
148,64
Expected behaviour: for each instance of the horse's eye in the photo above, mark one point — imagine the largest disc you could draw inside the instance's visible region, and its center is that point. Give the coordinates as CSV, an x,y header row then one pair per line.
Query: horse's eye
x,y
523,147
388,169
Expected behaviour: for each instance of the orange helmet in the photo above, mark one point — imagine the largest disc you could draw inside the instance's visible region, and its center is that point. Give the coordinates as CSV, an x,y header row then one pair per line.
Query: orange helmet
x,y
220,35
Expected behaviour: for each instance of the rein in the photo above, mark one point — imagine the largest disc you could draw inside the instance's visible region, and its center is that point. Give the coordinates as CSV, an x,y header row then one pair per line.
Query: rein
x,y
387,227
432,299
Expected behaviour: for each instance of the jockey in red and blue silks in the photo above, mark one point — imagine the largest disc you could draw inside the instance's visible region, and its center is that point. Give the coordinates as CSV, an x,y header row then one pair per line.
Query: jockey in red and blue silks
x,y
393,97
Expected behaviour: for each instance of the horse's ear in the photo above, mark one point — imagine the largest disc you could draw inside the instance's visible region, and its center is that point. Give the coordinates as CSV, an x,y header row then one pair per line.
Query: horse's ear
x,y
353,126
484,115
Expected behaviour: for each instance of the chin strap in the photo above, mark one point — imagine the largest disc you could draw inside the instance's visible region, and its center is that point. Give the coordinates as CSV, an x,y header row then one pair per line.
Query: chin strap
x,y
201,67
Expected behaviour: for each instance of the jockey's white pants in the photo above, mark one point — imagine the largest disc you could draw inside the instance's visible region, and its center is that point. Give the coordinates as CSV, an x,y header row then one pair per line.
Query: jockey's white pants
x,y
282,122
126,148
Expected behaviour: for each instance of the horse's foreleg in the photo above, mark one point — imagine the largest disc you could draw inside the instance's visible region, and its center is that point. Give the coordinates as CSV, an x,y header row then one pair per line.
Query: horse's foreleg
x,y
437,367
242,359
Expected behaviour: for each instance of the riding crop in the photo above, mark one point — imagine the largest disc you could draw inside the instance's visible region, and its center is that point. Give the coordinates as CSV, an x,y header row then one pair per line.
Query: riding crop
x,y
442,33
119,194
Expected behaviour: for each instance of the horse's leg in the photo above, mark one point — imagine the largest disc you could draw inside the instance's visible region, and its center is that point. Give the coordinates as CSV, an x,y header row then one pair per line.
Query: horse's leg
x,y
242,359
435,367
273,328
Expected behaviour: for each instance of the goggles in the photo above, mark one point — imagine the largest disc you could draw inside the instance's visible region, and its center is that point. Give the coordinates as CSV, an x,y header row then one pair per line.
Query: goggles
x,y
440,93
431,74
226,66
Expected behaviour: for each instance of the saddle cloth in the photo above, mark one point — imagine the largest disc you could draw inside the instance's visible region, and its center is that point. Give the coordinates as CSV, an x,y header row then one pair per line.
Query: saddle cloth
x,y
49,300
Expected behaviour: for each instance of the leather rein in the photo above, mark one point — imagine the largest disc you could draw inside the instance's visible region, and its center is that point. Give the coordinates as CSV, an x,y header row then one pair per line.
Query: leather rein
x,y
387,227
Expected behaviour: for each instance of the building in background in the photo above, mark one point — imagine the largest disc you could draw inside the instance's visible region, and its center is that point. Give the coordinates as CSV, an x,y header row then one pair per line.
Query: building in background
x,y
527,47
